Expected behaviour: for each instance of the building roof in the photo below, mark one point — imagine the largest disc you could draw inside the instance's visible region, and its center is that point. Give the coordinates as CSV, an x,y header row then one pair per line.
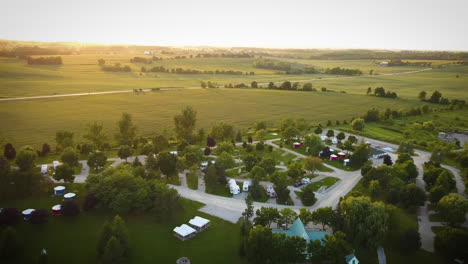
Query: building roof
x,y
199,221
69,195
56,207
349,257
184,230
59,188
298,229
28,211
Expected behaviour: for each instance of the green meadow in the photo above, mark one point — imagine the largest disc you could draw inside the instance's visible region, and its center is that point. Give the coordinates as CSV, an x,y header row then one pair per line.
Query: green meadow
x,y
36,121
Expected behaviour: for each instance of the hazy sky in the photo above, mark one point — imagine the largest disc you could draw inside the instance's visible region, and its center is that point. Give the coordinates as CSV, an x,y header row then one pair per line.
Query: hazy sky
x,y
384,24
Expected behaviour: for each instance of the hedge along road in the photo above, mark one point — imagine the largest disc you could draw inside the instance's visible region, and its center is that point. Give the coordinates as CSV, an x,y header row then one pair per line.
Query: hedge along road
x,y
167,89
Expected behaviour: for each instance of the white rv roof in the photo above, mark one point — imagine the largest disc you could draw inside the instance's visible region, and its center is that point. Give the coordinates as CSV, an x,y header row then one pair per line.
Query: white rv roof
x,y
56,207
28,211
69,195
59,188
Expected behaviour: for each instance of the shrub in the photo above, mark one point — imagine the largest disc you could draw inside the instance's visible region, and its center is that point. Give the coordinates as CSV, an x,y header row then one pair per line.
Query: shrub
x,y
10,216
39,217
89,202
70,208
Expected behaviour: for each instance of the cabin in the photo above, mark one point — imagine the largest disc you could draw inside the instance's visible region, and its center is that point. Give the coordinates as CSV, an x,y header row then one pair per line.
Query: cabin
x,y
271,191
341,155
333,157
245,186
69,196
56,209
27,213
351,259
59,190
184,232
199,223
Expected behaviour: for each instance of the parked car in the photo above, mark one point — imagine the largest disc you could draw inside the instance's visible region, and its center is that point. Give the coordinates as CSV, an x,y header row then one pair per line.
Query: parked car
x,y
297,184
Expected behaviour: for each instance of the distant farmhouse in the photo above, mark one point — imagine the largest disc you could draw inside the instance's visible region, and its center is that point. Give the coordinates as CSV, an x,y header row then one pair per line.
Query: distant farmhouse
x,y
146,52
383,63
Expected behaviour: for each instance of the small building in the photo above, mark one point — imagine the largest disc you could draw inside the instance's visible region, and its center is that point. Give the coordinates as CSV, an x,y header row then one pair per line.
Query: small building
x,y
384,63
271,191
342,155
298,229
69,196
59,190
346,162
351,259
245,186
297,145
233,187
184,232
333,157
44,169
55,163
199,223
56,209
27,213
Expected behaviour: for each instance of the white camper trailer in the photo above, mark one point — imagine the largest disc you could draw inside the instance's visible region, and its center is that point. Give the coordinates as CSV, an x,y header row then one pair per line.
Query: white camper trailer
x,y
245,186
44,169
233,187
271,191
56,164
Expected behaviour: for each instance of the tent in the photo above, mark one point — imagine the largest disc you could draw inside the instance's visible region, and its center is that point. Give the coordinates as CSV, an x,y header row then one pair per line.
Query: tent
x,y
333,157
27,213
297,145
69,196
342,155
184,232
56,209
59,190
346,162
199,223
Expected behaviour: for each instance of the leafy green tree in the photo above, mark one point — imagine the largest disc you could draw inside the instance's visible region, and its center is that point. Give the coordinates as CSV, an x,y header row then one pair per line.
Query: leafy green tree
x,y
268,164
312,163
287,217
239,136
280,182
437,192
124,152
95,134
193,155
166,200
113,253
295,169
422,96
64,172
365,222
314,144
251,161
292,249
413,196
70,156
254,84
225,161
359,156
126,130
225,147
249,210
261,134
9,151
45,149
160,143
26,158
97,160
453,209
331,249
318,130
403,157
352,138
435,97
358,124
260,245
265,216
330,133
167,163
307,87
222,132
69,208
10,245
452,243
5,180
308,196
260,125
185,124
340,136
64,139
305,215
325,216
406,147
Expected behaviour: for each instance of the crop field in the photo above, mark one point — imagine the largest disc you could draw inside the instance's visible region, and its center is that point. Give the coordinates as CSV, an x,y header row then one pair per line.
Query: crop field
x,y
36,121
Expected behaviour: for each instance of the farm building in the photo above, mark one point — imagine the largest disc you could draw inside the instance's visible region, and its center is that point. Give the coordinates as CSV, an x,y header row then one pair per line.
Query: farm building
x,y
199,223
298,229
27,213
69,196
384,63
184,232
56,209
59,190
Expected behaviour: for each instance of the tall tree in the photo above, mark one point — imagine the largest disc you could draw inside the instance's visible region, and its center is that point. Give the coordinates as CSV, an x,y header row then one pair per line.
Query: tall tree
x,y
70,156
9,151
26,158
64,139
314,144
113,252
97,160
64,172
167,163
265,216
325,216
127,130
422,96
185,124
312,163
95,134
453,209
124,152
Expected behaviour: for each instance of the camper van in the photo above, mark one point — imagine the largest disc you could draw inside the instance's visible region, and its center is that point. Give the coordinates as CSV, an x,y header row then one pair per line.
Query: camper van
x,y
233,187
271,191
245,186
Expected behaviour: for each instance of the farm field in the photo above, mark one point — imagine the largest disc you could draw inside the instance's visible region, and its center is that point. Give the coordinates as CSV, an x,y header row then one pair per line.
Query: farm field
x,y
36,121
150,240
81,74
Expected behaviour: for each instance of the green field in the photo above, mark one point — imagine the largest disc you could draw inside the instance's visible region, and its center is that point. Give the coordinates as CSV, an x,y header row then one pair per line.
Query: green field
x,y
36,121
150,241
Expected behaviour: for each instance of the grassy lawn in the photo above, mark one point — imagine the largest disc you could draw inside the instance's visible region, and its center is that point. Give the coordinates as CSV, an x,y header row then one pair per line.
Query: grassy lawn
x,y
327,182
220,190
277,154
150,241
264,197
339,165
324,168
299,194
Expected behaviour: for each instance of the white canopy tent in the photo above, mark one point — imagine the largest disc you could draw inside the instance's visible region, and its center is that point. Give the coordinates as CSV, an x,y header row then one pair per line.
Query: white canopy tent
x,y
199,223
184,232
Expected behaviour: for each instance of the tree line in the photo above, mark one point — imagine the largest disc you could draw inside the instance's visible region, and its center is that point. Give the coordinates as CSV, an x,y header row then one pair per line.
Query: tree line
x,y
437,98
287,67
45,60
343,71
380,92
193,71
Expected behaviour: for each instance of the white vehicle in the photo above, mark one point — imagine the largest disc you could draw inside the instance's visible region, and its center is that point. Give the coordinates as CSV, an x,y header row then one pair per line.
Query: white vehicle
x,y
245,186
174,153
204,165
305,181
334,141
323,138
233,187
44,169
56,164
271,191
